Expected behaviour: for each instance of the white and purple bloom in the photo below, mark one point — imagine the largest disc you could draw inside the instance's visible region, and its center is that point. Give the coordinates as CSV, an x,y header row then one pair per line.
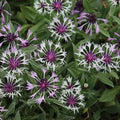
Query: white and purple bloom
x,y
44,86
51,55
60,6
72,100
117,44
3,11
109,60
10,87
28,41
88,55
13,61
78,7
62,29
10,35
89,20
2,109
69,84
41,6
115,2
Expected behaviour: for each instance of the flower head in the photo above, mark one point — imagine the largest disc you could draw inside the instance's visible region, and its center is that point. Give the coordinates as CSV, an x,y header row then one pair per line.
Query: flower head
x,y
60,6
78,7
10,36
89,20
88,55
2,109
43,86
109,60
51,55
62,29
10,86
69,84
41,6
13,61
71,96
3,11
117,44
115,2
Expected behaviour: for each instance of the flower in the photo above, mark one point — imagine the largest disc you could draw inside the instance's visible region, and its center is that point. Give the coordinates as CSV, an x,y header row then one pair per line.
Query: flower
x,y
14,61
115,2
88,55
10,35
51,55
109,60
2,109
71,96
69,84
10,86
43,86
60,6
117,45
78,7
89,19
3,11
41,6
62,29
30,38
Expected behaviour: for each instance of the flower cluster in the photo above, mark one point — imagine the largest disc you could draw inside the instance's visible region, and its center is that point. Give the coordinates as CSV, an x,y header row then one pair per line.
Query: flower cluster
x,y
56,6
91,56
71,96
115,2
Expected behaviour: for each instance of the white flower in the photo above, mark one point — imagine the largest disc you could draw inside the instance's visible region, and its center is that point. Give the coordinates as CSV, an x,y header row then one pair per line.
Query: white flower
x,y
60,6
88,55
13,61
41,6
69,84
51,55
10,87
72,100
109,59
62,29
115,2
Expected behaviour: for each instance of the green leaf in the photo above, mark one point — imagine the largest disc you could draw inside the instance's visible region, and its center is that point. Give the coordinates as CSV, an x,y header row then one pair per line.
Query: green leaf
x,y
109,95
17,116
28,49
114,74
104,32
116,19
87,5
104,79
28,12
11,109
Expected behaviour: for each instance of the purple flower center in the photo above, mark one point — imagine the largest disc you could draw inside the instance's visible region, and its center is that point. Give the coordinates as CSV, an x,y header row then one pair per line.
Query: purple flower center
x,y
117,0
107,59
61,29
11,37
79,6
9,87
14,63
90,57
43,85
50,56
70,86
71,100
57,5
42,5
91,18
